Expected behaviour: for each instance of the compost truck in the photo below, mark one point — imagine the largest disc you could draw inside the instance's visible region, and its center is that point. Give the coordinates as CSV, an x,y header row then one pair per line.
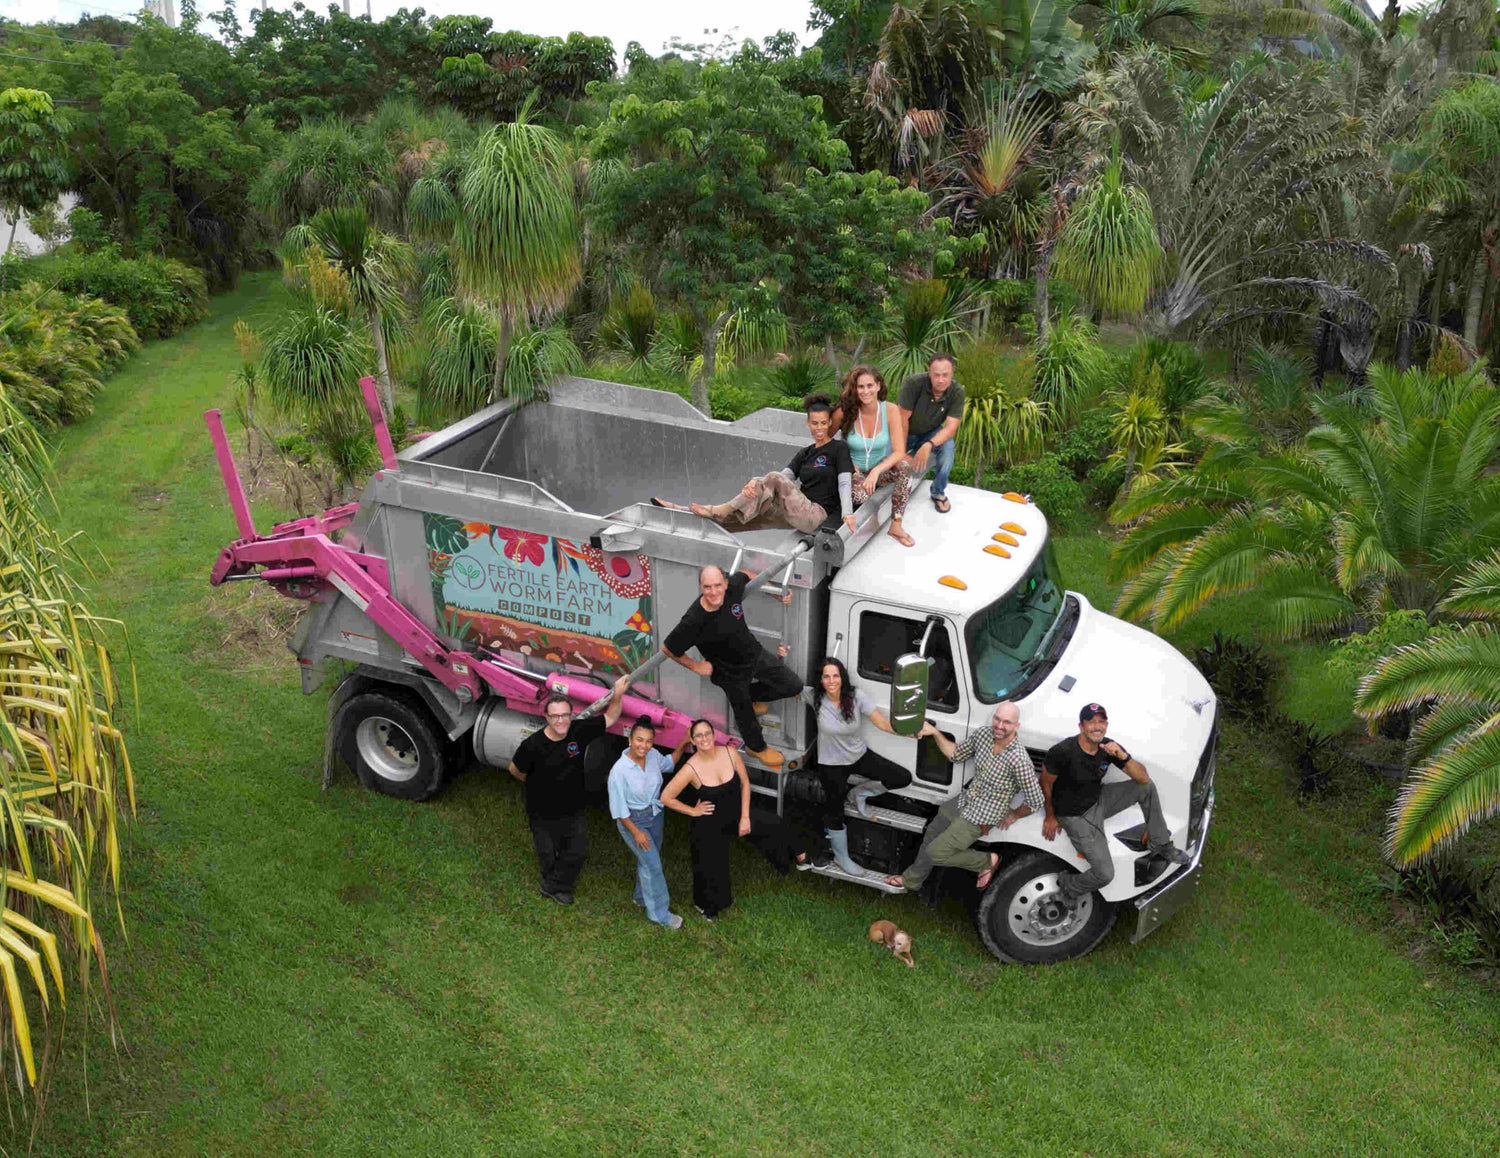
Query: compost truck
x,y
517,553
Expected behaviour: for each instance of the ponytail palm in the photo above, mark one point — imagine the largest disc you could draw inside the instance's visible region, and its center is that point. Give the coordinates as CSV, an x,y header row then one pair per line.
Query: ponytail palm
x,y
375,266
1455,745
516,239
1108,247
1371,512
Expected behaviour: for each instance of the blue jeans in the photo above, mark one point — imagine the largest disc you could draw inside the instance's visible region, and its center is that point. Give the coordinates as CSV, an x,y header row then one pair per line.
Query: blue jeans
x,y
650,881
940,458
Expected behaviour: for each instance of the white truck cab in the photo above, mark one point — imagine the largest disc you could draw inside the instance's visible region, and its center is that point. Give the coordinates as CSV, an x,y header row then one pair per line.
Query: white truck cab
x,y
983,587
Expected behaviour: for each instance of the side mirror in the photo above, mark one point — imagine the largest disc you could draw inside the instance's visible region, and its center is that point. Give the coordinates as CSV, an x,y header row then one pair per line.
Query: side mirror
x,y
909,694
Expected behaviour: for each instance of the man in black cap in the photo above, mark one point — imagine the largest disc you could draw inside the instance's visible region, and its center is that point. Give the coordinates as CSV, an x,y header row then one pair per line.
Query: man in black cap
x,y
1078,801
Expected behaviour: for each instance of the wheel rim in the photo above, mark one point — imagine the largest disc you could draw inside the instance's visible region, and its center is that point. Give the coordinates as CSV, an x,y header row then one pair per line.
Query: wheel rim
x,y
387,749
1037,915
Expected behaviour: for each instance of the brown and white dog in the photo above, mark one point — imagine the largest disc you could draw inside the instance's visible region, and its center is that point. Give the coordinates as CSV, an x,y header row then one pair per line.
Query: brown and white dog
x,y
894,939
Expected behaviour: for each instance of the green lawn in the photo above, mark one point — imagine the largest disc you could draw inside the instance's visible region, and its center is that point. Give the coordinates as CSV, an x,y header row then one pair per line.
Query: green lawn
x,y
341,974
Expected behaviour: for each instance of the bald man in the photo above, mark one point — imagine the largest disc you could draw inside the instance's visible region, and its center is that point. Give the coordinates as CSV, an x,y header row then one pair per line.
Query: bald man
x,y
1003,769
733,660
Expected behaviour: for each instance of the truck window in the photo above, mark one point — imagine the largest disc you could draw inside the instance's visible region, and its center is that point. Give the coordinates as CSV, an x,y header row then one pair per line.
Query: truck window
x,y
1007,636
885,638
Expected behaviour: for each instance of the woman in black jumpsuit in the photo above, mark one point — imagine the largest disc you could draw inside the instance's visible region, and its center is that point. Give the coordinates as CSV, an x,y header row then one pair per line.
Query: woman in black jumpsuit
x,y
715,777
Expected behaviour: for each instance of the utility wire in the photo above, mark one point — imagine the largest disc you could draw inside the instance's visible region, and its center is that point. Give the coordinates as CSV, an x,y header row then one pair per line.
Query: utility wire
x,y
45,60
14,31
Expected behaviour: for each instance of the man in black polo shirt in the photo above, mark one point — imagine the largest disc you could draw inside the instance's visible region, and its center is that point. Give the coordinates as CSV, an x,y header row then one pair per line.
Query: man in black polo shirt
x,y
715,624
550,764
933,405
1078,801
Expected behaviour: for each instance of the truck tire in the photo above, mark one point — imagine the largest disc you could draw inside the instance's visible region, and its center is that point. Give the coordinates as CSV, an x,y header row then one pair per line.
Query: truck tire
x,y
1021,920
393,745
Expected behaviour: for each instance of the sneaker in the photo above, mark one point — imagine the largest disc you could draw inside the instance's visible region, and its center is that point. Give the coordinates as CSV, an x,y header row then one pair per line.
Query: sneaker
x,y
770,757
804,864
1071,903
561,896
820,859
673,921
759,707
707,916
1172,855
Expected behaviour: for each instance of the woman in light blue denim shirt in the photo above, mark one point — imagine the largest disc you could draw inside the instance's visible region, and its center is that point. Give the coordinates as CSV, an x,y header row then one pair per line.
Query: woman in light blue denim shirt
x,y
635,803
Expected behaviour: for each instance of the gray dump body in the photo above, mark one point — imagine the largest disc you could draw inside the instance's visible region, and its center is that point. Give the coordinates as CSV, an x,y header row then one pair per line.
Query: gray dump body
x,y
582,467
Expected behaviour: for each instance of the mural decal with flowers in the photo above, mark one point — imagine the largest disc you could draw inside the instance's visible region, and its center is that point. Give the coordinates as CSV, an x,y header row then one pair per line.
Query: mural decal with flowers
x,y
522,591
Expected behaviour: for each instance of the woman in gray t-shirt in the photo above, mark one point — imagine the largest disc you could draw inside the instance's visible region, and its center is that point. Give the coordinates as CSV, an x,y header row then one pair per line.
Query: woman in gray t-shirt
x,y
842,752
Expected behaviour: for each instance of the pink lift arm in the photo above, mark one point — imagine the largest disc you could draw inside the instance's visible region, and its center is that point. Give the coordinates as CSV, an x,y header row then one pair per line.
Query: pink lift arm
x,y
231,474
377,420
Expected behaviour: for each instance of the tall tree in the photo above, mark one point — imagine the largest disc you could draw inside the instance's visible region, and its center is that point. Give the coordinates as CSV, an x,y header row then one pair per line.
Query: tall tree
x,y
31,152
708,151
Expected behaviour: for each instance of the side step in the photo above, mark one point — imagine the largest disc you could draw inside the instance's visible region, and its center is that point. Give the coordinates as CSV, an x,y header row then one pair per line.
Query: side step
x,y
869,878
888,816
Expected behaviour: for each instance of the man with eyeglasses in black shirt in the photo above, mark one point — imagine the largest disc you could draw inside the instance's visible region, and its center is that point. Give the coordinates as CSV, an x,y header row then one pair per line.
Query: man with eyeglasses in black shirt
x,y
550,763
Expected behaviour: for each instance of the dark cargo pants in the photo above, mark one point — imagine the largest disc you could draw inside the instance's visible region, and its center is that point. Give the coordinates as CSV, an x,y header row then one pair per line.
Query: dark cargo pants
x,y
1086,831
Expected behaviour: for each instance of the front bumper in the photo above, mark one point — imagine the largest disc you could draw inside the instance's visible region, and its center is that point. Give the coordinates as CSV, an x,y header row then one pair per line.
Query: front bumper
x,y
1154,907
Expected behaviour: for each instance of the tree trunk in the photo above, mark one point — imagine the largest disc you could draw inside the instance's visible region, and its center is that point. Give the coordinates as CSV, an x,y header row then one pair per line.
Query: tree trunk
x,y
1320,348
1404,340
1435,304
1477,280
710,362
1042,303
828,353
15,224
1124,492
382,364
502,356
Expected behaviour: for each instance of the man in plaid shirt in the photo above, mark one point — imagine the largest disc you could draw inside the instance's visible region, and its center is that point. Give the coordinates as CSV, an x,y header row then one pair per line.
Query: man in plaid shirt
x,y
1003,769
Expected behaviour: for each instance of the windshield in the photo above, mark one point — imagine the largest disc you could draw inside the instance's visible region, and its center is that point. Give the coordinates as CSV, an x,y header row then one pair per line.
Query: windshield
x,y
1007,636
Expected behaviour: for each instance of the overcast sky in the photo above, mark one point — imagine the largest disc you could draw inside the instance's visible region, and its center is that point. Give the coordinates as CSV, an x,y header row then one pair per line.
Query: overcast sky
x,y
652,22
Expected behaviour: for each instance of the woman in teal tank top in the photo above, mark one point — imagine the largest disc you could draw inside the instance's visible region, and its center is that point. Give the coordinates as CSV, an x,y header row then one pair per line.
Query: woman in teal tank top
x,y
876,435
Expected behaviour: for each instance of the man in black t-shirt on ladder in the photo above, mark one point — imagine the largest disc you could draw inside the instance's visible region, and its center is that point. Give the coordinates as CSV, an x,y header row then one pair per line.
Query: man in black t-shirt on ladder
x,y
733,660
1078,802
550,763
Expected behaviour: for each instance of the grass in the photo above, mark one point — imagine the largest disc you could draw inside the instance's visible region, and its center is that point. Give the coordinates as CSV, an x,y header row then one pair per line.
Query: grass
x,y
341,974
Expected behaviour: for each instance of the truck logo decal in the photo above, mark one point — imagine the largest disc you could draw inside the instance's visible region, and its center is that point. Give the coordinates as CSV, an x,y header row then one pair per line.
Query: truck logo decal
x,y
514,590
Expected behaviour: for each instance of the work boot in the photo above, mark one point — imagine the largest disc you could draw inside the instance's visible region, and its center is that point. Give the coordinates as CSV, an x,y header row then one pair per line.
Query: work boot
x,y
838,838
770,757
861,793
1172,854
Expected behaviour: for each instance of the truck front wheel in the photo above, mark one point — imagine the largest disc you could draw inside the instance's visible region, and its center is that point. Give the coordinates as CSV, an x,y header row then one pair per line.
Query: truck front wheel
x,y
1023,920
392,745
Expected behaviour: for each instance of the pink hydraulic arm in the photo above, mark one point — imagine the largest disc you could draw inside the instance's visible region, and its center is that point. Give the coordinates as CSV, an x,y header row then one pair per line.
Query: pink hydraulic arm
x,y
301,553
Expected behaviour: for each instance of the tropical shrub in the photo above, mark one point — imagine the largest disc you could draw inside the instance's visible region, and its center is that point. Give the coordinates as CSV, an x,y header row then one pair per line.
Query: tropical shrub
x,y
1051,486
65,775
56,349
160,296
1069,368
925,318
1377,509
1241,674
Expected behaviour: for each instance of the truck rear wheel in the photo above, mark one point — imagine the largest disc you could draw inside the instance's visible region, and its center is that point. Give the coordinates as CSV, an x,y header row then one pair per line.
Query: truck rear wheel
x,y
392,745
1023,920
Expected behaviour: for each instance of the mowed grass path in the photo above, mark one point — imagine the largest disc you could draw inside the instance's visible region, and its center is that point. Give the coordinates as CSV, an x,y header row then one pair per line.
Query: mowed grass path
x,y
340,974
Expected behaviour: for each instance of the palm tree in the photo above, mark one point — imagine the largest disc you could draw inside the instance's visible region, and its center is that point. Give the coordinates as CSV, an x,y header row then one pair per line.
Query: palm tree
x,y
1454,746
374,265
1375,510
516,237
1127,24
1108,246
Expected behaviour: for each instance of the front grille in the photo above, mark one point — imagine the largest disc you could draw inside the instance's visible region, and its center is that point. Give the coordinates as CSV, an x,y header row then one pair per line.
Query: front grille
x,y
1203,782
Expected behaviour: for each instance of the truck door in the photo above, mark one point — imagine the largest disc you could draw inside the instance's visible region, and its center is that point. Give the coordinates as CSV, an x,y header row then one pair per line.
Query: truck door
x,y
879,634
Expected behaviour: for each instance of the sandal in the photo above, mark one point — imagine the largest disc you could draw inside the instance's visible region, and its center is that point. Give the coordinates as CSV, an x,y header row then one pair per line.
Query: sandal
x,y
942,504
895,881
902,537
984,878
